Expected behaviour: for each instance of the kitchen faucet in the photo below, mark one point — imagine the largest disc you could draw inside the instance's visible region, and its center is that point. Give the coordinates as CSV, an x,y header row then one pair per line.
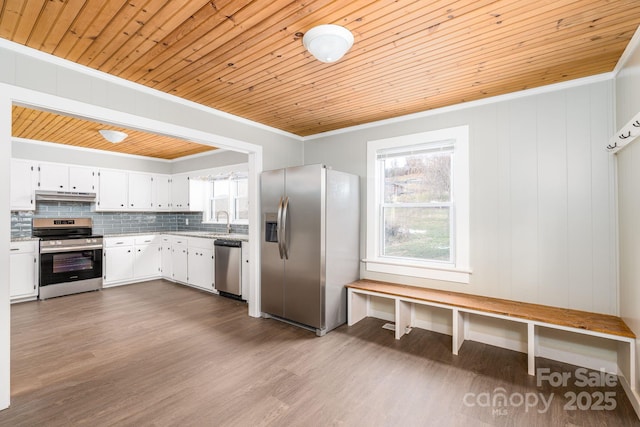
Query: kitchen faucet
x,y
228,222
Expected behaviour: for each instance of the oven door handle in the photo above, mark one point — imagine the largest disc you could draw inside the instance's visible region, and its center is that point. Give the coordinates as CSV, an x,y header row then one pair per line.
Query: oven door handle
x,y
73,249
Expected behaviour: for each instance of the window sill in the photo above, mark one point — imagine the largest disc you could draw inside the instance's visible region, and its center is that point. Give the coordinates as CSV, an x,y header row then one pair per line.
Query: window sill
x,y
445,273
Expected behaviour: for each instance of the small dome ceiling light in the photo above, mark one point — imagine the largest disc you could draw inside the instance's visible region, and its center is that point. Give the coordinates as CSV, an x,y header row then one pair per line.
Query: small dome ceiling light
x,y
113,136
328,43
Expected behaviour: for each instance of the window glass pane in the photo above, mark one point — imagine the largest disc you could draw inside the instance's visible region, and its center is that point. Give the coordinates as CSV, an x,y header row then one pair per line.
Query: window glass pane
x,y
221,204
220,188
417,178
242,208
418,233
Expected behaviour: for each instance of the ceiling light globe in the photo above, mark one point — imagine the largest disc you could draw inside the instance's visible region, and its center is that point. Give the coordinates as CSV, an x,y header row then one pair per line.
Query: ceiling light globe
x,y
328,43
113,136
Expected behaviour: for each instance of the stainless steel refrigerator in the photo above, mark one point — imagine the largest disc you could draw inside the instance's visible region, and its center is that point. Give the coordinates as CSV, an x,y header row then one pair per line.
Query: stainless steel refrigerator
x,y
310,244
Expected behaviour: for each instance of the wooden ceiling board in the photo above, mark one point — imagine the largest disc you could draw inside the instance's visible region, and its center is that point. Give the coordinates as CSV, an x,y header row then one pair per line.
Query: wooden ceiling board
x,y
245,57
432,60
45,126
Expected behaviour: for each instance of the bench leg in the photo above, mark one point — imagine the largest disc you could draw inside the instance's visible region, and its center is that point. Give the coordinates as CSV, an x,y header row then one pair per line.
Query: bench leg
x,y
403,318
458,333
357,307
531,348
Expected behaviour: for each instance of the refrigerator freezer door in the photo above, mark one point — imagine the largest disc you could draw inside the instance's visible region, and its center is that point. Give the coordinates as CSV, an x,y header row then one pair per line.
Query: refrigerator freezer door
x,y
304,245
272,270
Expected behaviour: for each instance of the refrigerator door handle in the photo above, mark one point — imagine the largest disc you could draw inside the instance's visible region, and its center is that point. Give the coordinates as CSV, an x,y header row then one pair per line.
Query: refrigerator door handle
x,y
279,229
285,211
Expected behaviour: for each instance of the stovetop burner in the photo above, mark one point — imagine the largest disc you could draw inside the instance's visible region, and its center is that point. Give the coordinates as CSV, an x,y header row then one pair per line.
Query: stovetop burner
x,y
62,228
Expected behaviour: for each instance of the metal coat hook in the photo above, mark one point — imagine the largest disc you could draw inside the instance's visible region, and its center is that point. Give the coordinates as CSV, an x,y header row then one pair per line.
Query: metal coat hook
x,y
636,124
625,137
611,147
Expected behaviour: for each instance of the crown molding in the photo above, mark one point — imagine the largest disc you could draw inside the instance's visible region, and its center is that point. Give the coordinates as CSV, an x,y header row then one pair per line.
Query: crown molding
x,y
114,153
471,104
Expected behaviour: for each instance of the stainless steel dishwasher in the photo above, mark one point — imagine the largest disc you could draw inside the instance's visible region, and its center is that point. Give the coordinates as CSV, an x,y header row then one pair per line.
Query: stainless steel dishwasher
x,y
228,267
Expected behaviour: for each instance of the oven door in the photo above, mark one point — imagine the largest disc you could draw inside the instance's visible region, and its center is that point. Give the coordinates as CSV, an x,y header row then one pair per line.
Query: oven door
x,y
70,266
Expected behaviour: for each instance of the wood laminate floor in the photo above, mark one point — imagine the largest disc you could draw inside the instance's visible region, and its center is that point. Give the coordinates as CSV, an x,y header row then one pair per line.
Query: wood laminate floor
x,y
161,354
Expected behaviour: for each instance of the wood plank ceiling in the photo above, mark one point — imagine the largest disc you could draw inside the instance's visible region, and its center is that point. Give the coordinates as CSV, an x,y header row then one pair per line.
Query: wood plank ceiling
x,y
245,57
50,127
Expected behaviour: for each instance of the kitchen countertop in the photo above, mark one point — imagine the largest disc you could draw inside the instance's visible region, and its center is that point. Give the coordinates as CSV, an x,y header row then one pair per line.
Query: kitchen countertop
x,y
209,235
24,239
202,234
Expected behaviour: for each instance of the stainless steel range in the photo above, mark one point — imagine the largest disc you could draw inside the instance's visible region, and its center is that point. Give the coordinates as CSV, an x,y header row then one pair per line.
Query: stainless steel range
x,y
70,256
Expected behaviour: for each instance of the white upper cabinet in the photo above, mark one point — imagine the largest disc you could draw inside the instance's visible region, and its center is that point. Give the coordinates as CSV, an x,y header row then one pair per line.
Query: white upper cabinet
x,y
53,177
180,192
113,186
140,191
82,179
161,192
23,182
61,177
121,190
186,194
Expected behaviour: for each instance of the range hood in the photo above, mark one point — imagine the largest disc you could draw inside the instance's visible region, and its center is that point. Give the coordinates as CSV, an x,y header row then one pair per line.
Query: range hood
x,y
65,196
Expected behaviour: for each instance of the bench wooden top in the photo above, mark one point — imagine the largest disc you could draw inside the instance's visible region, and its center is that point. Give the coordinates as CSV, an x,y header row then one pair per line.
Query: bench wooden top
x,y
602,323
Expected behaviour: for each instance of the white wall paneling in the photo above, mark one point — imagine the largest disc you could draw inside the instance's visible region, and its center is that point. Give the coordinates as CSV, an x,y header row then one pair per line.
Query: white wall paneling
x,y
628,162
538,168
553,271
521,127
579,201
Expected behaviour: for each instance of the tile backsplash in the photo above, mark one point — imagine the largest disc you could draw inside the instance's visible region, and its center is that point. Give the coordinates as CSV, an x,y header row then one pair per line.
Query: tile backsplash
x,y
117,222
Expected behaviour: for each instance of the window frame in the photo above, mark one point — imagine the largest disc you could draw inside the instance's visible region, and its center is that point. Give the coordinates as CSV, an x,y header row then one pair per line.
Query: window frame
x,y
458,270
208,216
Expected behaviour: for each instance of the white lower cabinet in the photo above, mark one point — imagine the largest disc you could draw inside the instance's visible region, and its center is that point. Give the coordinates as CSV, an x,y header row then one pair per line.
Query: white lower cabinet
x,y
200,263
245,271
131,259
191,261
186,260
179,259
147,258
166,263
23,271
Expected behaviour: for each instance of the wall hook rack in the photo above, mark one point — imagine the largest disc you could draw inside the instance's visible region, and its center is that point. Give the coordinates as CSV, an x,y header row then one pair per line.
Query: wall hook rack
x,y
625,135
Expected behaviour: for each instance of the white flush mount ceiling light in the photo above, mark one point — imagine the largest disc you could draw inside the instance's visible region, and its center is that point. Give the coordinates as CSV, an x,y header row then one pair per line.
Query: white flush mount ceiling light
x,y
328,43
113,136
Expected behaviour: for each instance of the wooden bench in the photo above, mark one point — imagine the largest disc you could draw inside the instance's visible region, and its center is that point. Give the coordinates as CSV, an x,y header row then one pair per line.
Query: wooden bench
x,y
533,315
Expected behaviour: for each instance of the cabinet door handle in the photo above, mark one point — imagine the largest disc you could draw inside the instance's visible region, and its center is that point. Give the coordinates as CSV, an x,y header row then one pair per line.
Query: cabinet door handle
x,y
15,249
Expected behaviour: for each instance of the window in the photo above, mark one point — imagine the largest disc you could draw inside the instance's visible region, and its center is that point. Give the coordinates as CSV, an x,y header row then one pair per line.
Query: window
x,y
228,192
418,205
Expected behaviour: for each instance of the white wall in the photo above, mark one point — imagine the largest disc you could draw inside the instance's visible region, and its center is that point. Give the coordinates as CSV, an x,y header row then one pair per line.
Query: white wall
x,y
5,232
216,159
59,153
41,72
47,75
542,194
628,105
